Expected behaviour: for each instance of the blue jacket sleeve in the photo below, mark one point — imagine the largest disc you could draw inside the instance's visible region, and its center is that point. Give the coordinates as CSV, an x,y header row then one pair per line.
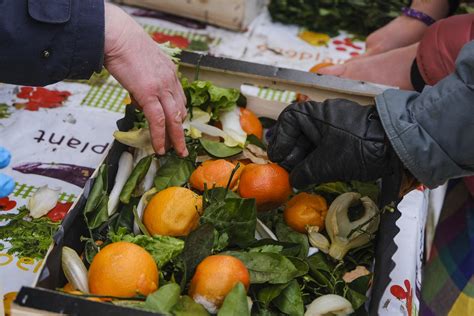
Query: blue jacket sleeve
x,y
432,132
45,41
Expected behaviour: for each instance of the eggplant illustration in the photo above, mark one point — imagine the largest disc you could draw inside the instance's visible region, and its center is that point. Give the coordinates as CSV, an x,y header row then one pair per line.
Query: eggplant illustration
x,y
73,174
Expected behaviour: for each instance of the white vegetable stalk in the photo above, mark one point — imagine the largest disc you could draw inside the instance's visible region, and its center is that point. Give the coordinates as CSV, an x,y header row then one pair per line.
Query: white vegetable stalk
x,y
328,305
125,167
232,132
43,201
141,208
74,269
231,126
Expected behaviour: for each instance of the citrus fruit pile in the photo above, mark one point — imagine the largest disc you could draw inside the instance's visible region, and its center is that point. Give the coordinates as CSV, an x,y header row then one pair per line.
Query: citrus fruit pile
x,y
220,231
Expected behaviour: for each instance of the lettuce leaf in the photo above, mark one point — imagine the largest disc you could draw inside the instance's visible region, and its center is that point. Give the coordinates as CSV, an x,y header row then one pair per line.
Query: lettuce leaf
x,y
162,248
210,98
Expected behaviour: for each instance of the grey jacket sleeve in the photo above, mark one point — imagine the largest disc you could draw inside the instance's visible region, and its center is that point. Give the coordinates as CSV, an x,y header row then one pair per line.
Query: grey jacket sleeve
x,y
433,132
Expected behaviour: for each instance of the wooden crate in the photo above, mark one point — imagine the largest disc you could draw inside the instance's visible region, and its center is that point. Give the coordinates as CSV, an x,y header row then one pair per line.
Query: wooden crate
x,y
231,14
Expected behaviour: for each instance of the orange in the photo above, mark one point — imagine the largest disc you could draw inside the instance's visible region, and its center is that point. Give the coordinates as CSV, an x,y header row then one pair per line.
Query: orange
x,y
175,211
250,123
214,278
305,210
269,184
123,269
320,66
215,173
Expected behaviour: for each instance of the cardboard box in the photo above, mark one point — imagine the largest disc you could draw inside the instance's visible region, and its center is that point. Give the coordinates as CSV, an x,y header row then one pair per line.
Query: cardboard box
x,y
224,72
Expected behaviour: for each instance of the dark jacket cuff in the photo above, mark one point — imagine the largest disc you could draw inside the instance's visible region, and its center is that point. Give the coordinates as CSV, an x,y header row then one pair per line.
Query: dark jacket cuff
x,y
89,26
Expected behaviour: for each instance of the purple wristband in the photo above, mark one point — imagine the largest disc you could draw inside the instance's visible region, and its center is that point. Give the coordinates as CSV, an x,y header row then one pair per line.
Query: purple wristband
x,y
420,16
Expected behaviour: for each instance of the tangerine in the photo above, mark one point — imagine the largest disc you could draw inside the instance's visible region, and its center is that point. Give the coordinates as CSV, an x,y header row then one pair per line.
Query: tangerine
x,y
250,123
269,184
123,269
174,211
215,173
304,210
214,278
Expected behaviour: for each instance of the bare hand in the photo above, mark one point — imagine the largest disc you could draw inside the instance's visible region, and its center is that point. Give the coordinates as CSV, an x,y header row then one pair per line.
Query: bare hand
x,y
137,62
390,68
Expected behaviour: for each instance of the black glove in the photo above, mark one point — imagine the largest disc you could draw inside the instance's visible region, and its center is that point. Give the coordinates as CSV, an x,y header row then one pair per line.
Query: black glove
x,y
336,140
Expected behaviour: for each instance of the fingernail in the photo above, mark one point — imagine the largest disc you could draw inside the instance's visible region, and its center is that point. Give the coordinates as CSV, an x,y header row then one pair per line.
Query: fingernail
x,y
185,152
335,70
161,151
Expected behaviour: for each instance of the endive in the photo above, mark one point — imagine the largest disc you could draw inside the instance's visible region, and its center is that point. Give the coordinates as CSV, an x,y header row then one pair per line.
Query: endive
x,y
343,233
328,305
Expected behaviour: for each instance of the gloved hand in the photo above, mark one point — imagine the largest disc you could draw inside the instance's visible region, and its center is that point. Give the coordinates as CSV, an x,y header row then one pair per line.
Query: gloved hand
x,y
6,182
336,140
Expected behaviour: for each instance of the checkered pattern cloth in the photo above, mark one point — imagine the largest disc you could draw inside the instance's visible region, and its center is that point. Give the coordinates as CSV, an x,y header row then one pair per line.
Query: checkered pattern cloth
x,y
448,283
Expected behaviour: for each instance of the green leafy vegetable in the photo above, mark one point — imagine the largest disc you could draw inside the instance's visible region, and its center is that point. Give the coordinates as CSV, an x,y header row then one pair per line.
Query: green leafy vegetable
x,y
137,175
286,234
266,267
163,300
95,211
269,293
162,248
29,237
234,216
210,98
218,149
198,245
290,301
235,303
125,218
188,307
359,17
175,172
267,248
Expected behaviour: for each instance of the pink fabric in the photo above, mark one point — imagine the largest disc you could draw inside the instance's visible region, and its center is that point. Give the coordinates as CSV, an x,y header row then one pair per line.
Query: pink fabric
x,y
441,44
438,50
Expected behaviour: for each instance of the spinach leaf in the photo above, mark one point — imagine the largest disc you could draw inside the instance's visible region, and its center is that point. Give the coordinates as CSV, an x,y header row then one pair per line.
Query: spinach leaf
x,y
357,299
300,265
234,216
266,267
218,149
235,303
267,248
162,248
163,300
290,300
125,218
269,293
175,172
198,245
137,175
95,211
286,234
188,307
